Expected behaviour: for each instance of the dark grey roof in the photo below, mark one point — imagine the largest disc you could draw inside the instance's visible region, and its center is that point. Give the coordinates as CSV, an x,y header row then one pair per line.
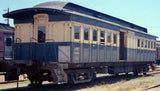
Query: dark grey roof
x,y
79,10
6,27
71,8
52,5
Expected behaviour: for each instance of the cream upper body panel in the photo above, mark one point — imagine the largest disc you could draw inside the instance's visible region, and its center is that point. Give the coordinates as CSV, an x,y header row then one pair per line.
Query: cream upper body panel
x,y
55,31
64,31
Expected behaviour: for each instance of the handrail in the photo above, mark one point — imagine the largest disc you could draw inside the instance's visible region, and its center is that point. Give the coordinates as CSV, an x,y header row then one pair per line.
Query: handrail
x,y
15,47
33,39
19,40
37,40
50,39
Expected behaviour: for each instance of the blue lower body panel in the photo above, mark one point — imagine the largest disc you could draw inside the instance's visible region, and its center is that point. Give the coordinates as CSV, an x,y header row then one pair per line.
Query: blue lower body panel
x,y
79,52
42,52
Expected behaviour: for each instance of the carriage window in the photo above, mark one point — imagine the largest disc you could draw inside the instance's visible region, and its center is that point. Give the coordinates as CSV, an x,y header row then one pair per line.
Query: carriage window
x,y
109,37
102,37
151,44
94,35
138,43
86,34
102,34
114,38
41,34
154,44
8,41
141,43
76,32
145,43
148,44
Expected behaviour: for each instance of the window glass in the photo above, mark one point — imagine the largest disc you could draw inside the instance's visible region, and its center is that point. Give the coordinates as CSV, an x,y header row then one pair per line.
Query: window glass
x,y
8,41
151,44
94,35
114,38
109,37
148,44
154,44
102,39
141,43
145,43
76,32
86,34
41,34
102,34
138,44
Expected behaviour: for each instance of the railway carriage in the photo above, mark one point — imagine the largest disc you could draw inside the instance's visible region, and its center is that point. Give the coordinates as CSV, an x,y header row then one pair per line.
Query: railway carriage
x,y
67,43
6,44
158,52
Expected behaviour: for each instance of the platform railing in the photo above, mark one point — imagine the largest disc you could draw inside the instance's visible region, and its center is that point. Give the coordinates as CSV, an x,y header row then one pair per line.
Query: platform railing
x,y
53,48
15,47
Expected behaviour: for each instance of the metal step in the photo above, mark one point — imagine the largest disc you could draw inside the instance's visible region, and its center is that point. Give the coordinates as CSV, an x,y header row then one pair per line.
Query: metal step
x,y
61,75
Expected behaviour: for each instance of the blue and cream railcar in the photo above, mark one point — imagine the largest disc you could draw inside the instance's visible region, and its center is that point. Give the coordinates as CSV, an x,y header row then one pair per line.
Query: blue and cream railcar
x,y
158,52
64,42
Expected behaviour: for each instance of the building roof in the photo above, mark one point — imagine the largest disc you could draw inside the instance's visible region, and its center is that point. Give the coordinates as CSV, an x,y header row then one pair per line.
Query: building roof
x,y
71,8
6,27
52,4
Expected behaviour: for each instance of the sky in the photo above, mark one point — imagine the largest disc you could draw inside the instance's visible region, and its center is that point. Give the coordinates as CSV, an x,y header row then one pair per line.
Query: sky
x,y
144,13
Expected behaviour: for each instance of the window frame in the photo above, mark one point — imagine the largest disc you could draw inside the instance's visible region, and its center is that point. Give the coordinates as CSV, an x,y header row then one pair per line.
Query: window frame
x,y
138,42
85,34
108,37
40,40
114,38
79,32
142,43
149,44
145,43
8,39
102,38
94,35
154,45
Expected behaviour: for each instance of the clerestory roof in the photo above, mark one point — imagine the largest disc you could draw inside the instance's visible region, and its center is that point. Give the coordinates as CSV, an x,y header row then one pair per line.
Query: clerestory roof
x,y
71,8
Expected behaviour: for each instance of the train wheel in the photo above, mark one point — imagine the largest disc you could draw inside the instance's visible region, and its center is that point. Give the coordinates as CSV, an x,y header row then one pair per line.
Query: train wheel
x,y
117,74
40,82
135,72
145,73
94,76
34,81
70,78
31,81
127,74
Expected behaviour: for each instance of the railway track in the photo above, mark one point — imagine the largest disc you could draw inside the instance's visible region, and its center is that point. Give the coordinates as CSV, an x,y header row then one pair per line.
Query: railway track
x,y
12,81
107,79
156,86
69,87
